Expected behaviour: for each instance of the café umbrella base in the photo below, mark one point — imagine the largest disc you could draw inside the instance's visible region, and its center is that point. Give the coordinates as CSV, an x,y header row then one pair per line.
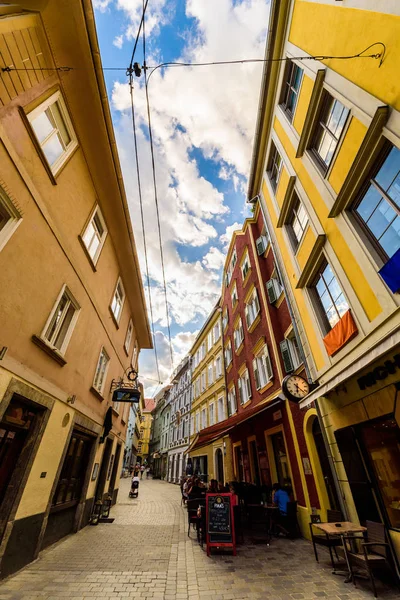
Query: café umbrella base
x,y
220,524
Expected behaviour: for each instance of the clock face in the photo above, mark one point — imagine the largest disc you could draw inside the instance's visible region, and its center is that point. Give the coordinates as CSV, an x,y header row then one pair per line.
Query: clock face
x,y
297,386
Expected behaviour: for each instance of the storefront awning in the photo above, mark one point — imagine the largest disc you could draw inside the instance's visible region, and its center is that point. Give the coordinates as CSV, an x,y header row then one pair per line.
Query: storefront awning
x,y
354,368
215,432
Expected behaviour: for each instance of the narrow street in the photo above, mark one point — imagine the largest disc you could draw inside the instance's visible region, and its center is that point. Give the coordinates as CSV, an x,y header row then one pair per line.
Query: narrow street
x,y
146,553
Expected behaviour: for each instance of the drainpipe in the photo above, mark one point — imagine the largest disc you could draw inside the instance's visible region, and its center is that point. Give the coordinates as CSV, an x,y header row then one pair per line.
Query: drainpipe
x,y
275,254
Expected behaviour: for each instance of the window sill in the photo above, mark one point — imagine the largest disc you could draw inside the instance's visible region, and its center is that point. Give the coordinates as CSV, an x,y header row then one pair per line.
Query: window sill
x,y
116,323
280,299
115,411
266,387
254,323
238,350
96,393
54,354
246,403
229,367
246,279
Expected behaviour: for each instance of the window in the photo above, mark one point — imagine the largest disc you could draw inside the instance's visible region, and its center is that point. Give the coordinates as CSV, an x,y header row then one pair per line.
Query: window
x,y
212,414
274,290
203,381
95,235
262,368
58,329
228,353
203,350
217,332
210,374
331,300
234,296
203,418
101,371
274,166
118,301
197,422
244,387
245,267
197,387
290,90
379,207
192,424
252,308
53,130
221,409
332,119
210,341
225,320
232,405
262,244
238,334
297,223
9,218
218,366
135,354
73,472
128,338
290,353
233,259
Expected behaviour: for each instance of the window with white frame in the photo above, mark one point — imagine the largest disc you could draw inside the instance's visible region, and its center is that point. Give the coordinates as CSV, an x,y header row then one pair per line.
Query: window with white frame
x,y
58,329
210,374
95,235
228,353
204,418
197,387
101,371
218,366
262,368
53,130
118,300
203,350
274,166
210,341
225,320
290,353
221,409
197,422
10,218
331,122
203,381
244,387
211,413
238,334
291,88
330,300
297,223
192,425
252,308
232,404
234,296
245,266
128,337
217,332
135,354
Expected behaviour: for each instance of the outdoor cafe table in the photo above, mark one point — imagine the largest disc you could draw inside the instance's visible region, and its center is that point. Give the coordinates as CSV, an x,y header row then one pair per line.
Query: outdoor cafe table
x,y
268,509
341,528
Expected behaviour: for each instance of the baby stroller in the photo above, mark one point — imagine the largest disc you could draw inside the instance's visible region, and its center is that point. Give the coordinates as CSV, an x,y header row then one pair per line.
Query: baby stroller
x,y
134,491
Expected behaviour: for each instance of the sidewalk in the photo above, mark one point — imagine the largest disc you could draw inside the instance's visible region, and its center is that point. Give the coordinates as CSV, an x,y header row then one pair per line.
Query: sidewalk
x,y
146,554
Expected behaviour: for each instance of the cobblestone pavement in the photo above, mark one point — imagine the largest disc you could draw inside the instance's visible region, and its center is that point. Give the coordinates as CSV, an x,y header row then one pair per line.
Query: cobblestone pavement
x,y
146,554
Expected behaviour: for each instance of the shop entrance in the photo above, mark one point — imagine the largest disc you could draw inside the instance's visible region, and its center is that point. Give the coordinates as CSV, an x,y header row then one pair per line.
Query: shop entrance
x,y
255,469
281,460
325,466
239,463
111,489
219,465
101,483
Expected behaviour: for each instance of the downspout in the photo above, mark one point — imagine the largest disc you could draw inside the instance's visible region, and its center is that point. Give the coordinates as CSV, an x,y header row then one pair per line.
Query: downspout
x,y
275,254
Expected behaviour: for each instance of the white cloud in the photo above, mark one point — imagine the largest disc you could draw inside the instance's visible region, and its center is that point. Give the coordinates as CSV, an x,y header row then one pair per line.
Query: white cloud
x,y
101,5
118,41
214,259
227,236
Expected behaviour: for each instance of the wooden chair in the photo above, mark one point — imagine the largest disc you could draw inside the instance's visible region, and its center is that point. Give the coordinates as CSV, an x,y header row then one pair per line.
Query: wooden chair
x,y
323,539
374,551
192,506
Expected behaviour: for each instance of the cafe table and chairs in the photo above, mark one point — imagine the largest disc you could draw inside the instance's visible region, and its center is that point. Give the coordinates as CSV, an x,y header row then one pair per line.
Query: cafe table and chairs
x,y
323,539
340,530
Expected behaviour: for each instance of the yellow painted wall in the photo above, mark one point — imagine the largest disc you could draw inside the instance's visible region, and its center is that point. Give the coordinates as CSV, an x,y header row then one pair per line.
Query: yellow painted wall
x,y
363,290
305,247
302,104
336,30
282,186
37,491
347,153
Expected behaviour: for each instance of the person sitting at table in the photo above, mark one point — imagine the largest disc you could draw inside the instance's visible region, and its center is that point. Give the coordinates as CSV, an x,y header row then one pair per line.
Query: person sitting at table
x,y
280,498
213,487
194,490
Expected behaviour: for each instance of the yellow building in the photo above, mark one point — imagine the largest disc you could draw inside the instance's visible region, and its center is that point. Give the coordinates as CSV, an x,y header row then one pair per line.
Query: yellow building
x,y
145,431
211,458
73,315
325,167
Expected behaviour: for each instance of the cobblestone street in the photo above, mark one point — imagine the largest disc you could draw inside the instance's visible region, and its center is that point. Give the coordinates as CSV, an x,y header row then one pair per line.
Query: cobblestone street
x,y
146,554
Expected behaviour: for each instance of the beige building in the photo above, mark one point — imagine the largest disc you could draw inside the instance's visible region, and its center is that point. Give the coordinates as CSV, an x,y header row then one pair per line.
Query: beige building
x,y
73,315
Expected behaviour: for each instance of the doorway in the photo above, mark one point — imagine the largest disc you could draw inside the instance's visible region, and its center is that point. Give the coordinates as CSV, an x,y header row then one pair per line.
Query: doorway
x,y
219,465
325,466
101,482
239,463
111,489
255,469
281,460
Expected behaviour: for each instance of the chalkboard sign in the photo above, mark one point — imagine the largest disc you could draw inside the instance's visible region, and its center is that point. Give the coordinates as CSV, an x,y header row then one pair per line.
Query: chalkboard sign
x,y
220,524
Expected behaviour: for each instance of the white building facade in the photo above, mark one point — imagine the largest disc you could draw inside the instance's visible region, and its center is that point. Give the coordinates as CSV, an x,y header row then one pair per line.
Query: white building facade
x,y
179,432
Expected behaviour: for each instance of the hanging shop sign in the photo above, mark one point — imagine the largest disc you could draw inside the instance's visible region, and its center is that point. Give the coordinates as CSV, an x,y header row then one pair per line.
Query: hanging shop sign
x,y
126,391
379,373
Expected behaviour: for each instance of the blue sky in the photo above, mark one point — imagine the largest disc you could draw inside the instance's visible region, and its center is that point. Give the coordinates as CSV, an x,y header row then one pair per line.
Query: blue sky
x,y
203,124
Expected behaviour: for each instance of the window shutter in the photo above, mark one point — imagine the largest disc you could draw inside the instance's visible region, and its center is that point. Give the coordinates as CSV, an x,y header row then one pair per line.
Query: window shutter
x,y
248,385
268,365
286,356
256,374
271,291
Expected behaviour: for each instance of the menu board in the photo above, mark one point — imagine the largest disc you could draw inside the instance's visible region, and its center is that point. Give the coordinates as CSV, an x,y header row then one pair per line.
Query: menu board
x,y
219,518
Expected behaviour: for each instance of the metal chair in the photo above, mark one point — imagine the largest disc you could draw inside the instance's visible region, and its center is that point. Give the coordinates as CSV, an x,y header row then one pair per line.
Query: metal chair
x,y
323,539
373,551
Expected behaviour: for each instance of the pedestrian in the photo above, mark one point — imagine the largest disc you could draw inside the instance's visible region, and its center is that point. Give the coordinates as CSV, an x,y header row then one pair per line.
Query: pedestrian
x,y
147,472
142,468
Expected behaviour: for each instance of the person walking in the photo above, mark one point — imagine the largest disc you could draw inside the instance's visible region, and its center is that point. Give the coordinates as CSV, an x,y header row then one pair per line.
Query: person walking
x,y
147,472
142,468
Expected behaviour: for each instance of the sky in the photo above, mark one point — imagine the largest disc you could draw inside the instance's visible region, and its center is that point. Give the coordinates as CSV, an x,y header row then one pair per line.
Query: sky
x,y
203,123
